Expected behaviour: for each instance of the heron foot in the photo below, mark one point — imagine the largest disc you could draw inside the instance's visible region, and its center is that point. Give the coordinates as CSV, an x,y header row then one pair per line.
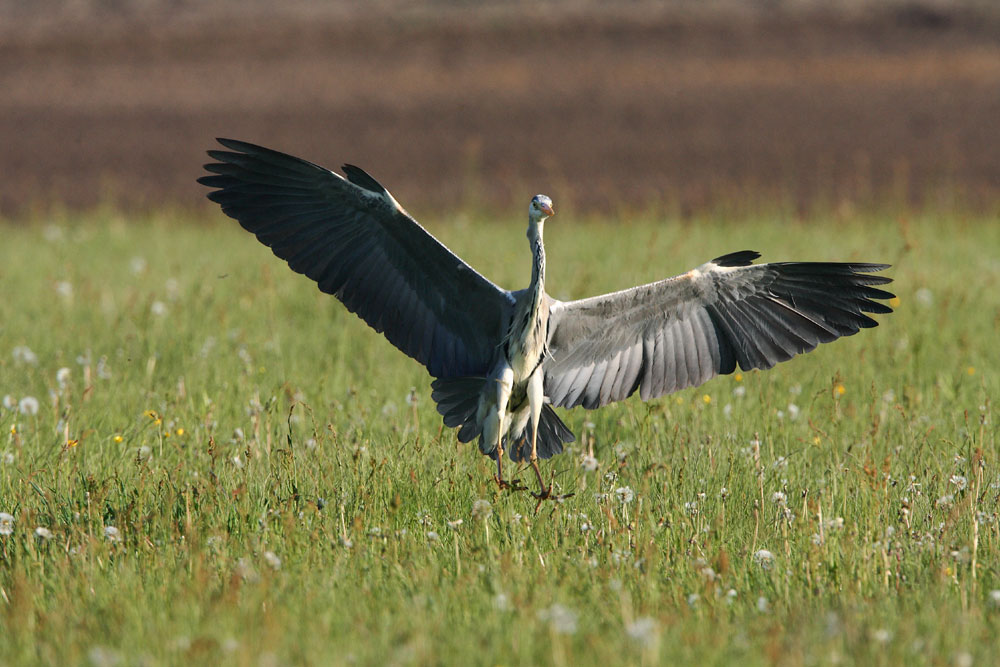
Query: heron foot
x,y
509,485
546,494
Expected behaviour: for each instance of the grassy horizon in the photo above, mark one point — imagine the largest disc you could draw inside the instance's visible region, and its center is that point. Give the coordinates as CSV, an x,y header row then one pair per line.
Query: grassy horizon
x,y
234,469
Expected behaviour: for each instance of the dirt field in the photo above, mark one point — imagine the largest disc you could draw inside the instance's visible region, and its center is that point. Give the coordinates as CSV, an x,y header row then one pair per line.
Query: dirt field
x,y
601,110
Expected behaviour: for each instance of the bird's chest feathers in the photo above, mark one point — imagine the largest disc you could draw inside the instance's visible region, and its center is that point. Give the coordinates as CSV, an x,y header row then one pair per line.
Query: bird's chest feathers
x,y
526,339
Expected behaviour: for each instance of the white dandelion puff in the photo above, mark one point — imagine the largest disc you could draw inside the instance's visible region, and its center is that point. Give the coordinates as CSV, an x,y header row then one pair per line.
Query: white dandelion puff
x,y
28,405
273,560
995,597
173,288
158,308
112,534
481,510
501,602
625,494
763,606
454,525
740,391
882,636
6,523
589,463
62,377
24,355
959,481
43,533
764,558
432,536
642,631
137,265
64,288
779,498
924,297
562,619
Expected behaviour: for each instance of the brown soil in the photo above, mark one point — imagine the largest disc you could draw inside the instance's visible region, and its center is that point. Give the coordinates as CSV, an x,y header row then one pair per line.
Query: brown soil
x,y
601,111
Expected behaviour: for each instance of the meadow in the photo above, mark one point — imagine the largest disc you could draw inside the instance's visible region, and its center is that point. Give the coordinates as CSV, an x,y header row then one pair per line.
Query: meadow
x,y
203,459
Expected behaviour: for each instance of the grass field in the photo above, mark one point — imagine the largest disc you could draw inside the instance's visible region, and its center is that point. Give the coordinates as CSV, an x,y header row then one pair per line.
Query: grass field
x,y
204,459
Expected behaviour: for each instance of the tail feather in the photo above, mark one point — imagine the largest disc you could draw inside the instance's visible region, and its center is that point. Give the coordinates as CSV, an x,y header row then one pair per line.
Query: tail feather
x,y
458,400
552,433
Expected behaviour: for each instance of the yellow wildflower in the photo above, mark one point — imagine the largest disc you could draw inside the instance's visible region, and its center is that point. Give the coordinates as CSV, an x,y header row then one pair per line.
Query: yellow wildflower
x,y
738,377
894,302
706,399
118,438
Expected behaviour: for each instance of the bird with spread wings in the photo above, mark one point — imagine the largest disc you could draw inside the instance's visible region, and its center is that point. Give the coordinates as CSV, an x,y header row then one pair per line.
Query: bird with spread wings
x,y
501,359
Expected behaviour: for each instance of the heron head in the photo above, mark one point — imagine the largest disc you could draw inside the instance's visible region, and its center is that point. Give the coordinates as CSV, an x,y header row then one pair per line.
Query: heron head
x,y
541,208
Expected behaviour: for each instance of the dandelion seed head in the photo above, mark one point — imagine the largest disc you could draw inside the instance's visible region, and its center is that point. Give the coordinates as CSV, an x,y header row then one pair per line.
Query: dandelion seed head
x,y
625,494
28,405
763,606
273,560
561,619
881,635
112,534
158,308
589,463
6,523
959,481
62,377
481,510
763,558
693,599
64,288
740,391
24,355
432,536
43,533
454,525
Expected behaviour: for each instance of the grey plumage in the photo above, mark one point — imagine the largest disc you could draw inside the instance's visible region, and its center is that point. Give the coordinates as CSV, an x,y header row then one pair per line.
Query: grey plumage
x,y
500,357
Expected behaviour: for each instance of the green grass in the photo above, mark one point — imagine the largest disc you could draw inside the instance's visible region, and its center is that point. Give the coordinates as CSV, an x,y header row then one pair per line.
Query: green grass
x,y
218,409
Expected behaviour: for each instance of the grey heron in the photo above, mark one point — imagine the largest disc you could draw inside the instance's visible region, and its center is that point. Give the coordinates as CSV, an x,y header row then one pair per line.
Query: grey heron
x,y
501,359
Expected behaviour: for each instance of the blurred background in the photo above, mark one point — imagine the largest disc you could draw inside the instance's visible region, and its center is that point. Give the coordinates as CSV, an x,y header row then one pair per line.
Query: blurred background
x,y
609,107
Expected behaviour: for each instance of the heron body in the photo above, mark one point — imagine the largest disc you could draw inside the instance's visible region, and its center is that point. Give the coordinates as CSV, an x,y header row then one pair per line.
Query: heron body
x,y
501,360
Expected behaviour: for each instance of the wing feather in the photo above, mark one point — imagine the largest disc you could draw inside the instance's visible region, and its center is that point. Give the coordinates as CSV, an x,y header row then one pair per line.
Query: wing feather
x,y
353,239
680,332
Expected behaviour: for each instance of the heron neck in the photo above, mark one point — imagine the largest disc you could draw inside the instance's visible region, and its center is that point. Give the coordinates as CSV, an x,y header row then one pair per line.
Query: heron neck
x,y
537,285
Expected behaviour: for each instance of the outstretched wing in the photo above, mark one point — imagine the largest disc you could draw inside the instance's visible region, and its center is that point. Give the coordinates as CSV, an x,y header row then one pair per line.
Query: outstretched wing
x,y
680,332
355,241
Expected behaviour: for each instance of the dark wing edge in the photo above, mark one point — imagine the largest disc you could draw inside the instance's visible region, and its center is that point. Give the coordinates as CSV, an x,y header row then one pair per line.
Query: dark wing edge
x,y
680,332
354,240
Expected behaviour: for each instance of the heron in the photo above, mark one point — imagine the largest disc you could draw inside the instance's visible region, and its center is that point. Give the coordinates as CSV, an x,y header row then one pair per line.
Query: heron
x,y
502,360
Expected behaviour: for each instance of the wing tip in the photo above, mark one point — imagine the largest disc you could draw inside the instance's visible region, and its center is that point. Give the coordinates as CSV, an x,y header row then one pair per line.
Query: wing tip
x,y
739,258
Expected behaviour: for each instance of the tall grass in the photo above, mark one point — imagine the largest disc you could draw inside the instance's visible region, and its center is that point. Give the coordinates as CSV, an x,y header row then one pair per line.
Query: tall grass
x,y
234,469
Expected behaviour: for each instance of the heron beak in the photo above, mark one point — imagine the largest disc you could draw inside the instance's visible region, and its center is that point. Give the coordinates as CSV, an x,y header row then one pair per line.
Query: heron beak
x,y
547,210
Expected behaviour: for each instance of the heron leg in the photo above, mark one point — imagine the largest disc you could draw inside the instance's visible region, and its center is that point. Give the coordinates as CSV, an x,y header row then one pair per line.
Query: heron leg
x,y
498,423
536,398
